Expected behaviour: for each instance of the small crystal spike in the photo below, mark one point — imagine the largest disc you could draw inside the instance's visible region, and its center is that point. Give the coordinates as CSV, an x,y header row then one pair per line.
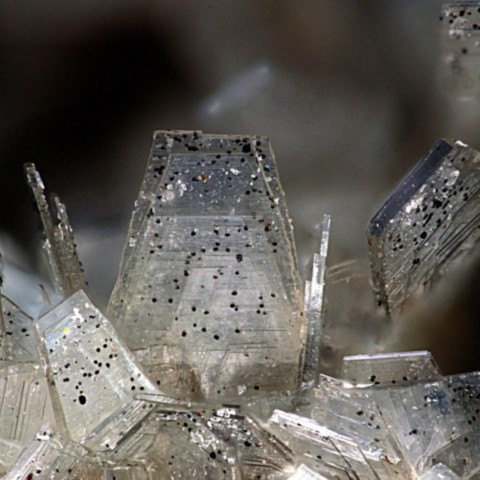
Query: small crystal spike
x,y
58,238
314,306
49,456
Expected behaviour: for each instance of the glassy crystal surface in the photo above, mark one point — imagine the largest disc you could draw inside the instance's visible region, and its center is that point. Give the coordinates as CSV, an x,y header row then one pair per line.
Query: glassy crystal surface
x,y
95,377
315,306
439,472
305,473
208,296
50,456
428,224
351,322
24,405
58,239
18,340
389,369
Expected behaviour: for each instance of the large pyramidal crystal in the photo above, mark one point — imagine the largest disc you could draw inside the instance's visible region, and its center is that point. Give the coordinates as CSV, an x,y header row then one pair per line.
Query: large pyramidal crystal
x,y
208,296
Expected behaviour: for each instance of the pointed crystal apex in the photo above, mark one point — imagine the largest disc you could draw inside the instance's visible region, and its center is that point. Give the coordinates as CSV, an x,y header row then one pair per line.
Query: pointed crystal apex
x,y
58,239
314,306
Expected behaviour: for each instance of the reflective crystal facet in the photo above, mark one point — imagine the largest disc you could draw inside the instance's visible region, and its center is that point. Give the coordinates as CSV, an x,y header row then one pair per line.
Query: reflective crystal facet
x,y
95,376
428,223
208,295
50,456
24,405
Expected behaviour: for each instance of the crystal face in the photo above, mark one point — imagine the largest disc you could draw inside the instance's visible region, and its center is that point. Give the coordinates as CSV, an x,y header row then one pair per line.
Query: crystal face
x,y
427,225
208,290
95,376
149,393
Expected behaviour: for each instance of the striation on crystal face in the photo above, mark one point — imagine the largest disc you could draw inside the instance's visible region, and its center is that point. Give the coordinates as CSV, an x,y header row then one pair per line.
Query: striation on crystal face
x,y
18,341
390,368
208,295
315,306
95,377
24,406
50,456
58,237
427,225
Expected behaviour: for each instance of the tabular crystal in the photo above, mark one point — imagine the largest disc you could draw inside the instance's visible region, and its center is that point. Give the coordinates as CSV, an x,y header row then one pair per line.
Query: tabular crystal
x,y
428,223
208,295
95,376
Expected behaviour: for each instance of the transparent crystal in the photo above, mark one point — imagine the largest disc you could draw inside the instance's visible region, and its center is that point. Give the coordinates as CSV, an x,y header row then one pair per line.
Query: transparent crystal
x,y
50,456
209,296
58,237
389,369
315,305
427,225
96,378
24,406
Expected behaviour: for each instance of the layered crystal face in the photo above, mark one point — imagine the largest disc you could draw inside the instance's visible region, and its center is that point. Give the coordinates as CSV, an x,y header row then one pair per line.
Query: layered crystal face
x,y
96,378
427,225
208,296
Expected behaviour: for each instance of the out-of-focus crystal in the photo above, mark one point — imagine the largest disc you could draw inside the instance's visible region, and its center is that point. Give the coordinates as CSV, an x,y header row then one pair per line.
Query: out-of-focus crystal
x,y
305,473
428,224
439,472
209,296
94,375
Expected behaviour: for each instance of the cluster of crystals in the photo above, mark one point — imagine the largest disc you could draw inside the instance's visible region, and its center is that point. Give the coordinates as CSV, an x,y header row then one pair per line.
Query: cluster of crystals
x,y
461,53
212,365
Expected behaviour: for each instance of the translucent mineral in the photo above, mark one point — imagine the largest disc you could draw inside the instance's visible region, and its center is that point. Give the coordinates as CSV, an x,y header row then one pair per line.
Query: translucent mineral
x,y
315,306
18,339
24,406
389,369
50,456
208,295
214,370
58,239
460,22
427,226
94,376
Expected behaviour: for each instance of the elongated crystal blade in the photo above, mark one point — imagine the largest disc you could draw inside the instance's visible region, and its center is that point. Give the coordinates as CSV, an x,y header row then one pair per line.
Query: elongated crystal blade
x,y
314,306
58,238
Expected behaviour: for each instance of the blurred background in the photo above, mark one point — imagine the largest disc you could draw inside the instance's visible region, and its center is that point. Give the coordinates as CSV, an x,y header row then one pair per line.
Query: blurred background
x,y
348,92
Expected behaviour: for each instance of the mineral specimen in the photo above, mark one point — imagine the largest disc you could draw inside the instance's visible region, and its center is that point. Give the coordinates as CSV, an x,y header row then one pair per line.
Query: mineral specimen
x,y
208,299
427,225
208,295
